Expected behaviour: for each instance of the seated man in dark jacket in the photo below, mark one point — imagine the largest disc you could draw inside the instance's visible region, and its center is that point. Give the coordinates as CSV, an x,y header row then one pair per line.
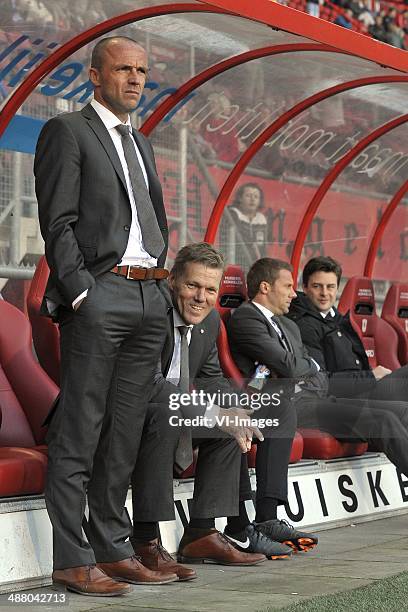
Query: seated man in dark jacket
x,y
260,336
221,479
332,341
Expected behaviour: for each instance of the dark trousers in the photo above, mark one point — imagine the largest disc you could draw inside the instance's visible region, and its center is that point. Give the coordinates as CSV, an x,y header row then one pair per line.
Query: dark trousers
x,y
272,456
221,478
393,387
384,424
217,475
109,349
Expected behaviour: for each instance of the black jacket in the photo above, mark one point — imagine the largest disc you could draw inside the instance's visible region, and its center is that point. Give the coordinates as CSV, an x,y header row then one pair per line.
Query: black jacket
x,y
334,344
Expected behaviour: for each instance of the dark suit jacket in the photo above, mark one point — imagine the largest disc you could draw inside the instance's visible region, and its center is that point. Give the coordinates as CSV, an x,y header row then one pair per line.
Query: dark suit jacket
x,y
204,366
254,341
84,208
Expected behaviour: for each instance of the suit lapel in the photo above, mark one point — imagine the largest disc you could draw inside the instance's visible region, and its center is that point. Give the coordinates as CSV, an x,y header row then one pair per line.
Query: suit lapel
x,y
103,136
198,337
147,159
272,331
168,348
286,331
155,189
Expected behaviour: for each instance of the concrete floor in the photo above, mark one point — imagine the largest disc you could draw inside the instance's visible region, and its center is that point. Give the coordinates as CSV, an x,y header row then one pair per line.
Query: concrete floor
x,y
346,558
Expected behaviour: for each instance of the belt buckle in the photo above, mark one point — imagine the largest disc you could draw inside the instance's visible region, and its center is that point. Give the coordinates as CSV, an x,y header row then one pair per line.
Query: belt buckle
x,y
129,269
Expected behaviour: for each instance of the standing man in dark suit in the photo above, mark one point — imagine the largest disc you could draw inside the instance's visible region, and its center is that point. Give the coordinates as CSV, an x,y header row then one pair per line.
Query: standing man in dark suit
x,y
260,335
221,483
104,225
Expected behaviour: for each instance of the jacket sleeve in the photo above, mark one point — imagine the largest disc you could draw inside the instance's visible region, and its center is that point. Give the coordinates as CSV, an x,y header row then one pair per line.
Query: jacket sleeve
x,y
57,168
312,340
209,379
331,352
250,335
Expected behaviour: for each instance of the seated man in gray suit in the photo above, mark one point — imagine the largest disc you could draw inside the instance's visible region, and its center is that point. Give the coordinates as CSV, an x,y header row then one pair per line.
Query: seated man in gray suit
x,y
221,480
259,334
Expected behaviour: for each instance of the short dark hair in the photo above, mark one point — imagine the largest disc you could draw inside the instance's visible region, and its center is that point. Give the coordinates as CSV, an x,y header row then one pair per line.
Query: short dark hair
x,y
264,269
321,264
198,252
99,49
240,192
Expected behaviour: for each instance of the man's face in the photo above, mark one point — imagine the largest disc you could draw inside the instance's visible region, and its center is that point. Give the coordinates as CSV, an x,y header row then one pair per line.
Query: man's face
x,y
250,200
281,293
120,81
321,290
195,291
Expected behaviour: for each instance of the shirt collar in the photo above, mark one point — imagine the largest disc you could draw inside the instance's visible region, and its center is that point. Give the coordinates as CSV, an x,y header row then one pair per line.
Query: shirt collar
x,y
330,312
259,218
178,321
108,118
265,311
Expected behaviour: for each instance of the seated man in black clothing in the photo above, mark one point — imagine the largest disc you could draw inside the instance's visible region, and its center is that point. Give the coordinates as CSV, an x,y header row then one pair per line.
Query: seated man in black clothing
x,y
331,340
221,481
260,336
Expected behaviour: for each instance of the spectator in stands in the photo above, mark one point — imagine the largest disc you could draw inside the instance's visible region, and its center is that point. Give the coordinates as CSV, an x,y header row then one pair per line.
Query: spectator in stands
x,y
313,8
390,17
366,16
227,147
243,233
332,341
194,283
260,336
345,20
394,35
377,30
103,291
203,146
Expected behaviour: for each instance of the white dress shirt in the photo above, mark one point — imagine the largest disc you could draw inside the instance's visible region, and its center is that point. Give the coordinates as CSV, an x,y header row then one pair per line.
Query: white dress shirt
x,y
330,312
173,375
135,254
268,314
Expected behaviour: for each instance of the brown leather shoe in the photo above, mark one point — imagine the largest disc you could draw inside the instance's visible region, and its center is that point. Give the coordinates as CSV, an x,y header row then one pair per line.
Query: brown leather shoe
x,y
89,580
209,545
154,556
131,570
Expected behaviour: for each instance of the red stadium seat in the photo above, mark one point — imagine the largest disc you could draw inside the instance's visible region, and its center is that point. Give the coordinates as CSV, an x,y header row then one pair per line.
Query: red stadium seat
x,y
295,455
379,338
45,332
190,470
231,294
395,312
232,291
22,471
322,445
26,397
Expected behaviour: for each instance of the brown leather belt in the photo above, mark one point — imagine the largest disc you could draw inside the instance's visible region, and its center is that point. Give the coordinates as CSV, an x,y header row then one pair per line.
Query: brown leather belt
x,y
138,273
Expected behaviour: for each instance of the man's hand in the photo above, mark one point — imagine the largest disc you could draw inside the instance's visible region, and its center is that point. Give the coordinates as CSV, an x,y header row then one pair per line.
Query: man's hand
x,y
379,372
235,423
